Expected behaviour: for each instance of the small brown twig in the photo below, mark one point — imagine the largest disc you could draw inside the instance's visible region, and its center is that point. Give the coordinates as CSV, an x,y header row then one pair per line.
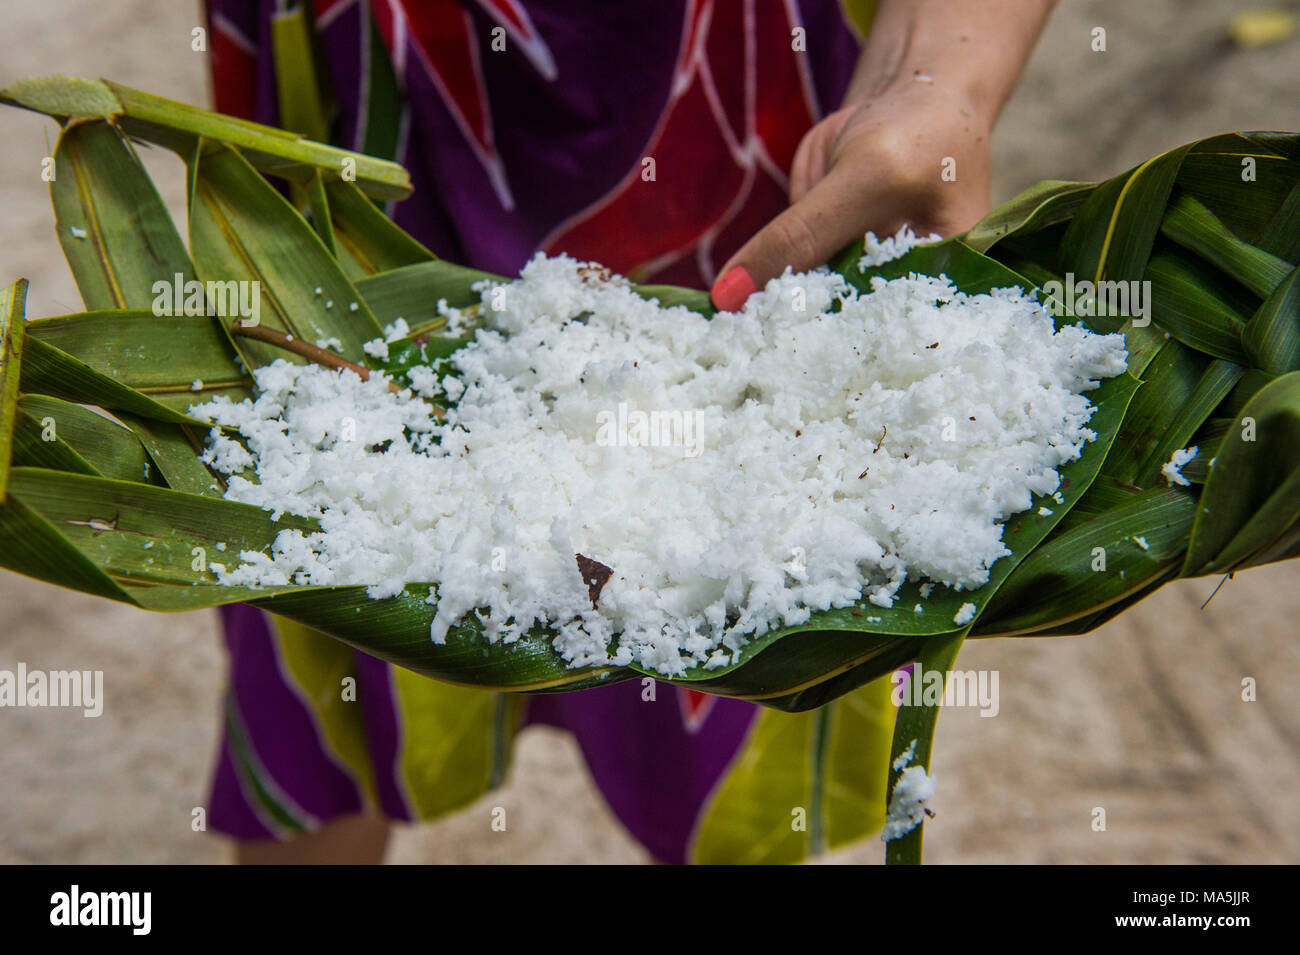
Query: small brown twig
x,y
320,356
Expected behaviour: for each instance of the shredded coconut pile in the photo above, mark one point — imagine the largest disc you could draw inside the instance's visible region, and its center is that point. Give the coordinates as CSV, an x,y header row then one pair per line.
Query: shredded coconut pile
x,y
719,478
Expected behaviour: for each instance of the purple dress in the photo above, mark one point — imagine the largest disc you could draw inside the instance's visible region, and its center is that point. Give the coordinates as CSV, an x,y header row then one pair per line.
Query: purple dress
x,y
654,136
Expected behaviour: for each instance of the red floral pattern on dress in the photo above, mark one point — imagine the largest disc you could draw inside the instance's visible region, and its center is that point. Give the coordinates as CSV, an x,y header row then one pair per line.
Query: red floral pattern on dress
x,y
741,98
695,708
726,137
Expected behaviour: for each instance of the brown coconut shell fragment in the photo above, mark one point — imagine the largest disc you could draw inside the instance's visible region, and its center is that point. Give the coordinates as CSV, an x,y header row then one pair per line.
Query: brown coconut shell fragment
x,y
595,575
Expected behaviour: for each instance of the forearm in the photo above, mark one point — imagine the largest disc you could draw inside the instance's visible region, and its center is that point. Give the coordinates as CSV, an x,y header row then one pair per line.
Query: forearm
x,y
975,49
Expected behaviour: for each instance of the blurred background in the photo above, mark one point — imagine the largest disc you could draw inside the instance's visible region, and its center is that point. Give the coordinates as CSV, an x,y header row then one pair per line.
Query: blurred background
x,y
1143,717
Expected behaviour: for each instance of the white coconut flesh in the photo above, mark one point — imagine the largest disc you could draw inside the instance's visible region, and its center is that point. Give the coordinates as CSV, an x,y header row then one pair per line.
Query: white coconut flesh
x,y
720,478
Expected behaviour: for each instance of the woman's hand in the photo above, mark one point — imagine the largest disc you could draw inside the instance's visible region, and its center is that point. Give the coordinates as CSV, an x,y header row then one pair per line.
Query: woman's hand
x,y
911,145
875,165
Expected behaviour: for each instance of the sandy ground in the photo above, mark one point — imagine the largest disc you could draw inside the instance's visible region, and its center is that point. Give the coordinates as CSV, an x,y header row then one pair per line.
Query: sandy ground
x,y
1143,718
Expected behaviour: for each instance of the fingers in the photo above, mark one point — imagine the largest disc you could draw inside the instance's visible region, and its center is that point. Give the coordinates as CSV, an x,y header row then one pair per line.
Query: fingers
x,y
813,157
801,169
803,237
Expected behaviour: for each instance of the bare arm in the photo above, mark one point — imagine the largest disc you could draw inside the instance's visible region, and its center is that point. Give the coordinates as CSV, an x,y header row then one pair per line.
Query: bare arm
x,y
931,81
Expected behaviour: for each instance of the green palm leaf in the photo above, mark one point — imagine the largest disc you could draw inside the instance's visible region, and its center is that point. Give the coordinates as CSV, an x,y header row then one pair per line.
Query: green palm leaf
x,y
125,508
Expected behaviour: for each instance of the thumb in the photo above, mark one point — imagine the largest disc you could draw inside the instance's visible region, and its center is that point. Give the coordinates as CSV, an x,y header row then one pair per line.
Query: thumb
x,y
803,237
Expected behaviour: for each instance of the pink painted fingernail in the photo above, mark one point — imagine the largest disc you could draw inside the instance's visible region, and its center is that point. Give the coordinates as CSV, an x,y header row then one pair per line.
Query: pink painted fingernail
x,y
731,291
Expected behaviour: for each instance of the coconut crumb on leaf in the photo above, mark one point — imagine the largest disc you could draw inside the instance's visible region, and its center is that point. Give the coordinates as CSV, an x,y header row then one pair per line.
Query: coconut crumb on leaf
x,y
693,455
876,251
905,757
907,803
1173,468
